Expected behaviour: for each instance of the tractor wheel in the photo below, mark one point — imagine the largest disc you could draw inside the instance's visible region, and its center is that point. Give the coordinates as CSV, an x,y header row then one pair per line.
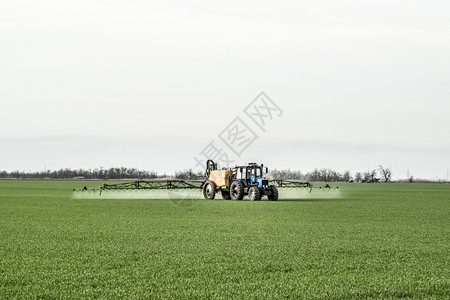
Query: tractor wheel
x,y
237,190
274,196
225,195
209,190
254,194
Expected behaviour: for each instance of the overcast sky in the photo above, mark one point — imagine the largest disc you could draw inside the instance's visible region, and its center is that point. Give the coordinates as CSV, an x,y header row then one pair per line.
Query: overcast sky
x,y
149,84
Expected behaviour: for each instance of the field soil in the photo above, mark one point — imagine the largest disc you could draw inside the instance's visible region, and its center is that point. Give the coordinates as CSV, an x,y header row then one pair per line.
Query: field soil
x,y
370,241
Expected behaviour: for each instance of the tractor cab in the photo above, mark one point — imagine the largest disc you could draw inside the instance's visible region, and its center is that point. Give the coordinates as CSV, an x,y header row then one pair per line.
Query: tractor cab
x,y
251,174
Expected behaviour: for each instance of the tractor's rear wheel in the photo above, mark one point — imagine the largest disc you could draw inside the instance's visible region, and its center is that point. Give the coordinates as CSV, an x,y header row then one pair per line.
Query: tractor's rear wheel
x,y
225,195
254,194
209,190
237,190
274,196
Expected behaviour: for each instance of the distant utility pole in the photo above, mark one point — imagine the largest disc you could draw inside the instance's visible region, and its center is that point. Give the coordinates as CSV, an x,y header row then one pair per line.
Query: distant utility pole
x,y
447,175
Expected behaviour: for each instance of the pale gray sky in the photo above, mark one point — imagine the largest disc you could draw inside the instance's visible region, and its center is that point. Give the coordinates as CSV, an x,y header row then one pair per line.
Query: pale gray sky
x,y
149,84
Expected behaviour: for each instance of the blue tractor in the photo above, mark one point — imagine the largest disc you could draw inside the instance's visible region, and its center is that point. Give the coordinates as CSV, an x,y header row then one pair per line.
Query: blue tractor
x,y
235,183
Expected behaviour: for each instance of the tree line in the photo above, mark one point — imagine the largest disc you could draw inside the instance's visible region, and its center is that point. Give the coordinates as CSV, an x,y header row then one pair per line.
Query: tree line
x,y
326,175
98,173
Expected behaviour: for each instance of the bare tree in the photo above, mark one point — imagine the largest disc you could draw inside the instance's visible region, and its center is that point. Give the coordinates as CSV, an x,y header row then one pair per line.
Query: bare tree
x,y
371,176
386,173
346,176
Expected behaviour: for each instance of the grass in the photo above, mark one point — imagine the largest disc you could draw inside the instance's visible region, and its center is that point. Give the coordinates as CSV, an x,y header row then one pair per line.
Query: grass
x,y
375,241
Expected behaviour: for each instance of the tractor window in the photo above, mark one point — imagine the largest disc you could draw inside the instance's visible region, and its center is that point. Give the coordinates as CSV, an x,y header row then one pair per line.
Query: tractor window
x,y
251,172
238,173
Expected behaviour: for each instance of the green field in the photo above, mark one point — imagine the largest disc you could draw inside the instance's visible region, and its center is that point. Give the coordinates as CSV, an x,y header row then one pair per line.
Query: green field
x,y
374,241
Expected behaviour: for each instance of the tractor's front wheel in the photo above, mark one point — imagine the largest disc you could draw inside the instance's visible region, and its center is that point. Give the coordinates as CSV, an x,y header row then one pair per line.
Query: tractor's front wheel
x,y
209,190
254,194
274,196
237,190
